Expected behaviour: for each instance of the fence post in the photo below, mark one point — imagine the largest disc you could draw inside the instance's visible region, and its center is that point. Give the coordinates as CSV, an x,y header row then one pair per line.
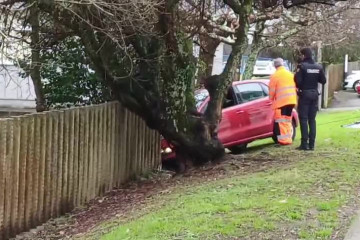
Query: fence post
x,y
36,169
22,171
3,129
326,88
65,164
48,157
112,159
54,178
99,176
76,143
42,168
9,178
60,176
90,158
30,169
95,148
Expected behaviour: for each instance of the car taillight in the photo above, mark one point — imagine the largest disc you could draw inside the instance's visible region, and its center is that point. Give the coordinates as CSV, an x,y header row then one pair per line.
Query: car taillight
x,y
166,147
166,150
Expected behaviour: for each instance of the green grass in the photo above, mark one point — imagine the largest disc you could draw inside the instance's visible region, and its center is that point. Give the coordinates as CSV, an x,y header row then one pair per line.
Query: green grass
x,y
300,201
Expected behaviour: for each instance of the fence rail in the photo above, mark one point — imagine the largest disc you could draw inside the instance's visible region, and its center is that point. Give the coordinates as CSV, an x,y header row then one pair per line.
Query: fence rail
x,y
52,162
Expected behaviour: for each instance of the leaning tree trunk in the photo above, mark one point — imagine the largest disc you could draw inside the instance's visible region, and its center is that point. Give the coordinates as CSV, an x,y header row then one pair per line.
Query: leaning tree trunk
x,y
162,90
35,65
218,85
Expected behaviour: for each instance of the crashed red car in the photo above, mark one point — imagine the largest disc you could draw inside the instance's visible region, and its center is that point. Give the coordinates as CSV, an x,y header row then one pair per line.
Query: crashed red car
x,y
247,116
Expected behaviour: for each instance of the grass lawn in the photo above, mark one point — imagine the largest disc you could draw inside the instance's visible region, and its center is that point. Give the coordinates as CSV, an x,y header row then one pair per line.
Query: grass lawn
x,y
307,199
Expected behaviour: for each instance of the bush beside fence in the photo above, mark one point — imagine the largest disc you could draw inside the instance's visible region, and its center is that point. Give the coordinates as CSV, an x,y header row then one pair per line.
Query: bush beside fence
x,y
52,162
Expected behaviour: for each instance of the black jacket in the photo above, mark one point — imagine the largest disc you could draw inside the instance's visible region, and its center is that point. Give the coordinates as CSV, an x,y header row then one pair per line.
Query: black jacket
x,y
308,75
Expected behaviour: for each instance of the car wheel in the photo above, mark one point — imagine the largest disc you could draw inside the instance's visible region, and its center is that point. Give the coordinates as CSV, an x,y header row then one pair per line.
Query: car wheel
x,y
357,83
238,149
274,137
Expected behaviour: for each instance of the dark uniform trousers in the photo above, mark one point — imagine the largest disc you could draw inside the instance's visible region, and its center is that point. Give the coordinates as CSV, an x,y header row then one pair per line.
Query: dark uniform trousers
x,y
308,108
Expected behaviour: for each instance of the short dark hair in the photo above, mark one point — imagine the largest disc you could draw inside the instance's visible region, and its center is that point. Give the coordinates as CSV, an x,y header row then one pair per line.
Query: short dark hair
x,y
307,52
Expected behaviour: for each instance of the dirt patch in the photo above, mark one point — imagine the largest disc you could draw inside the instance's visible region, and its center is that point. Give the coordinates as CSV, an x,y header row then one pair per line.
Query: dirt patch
x,y
119,203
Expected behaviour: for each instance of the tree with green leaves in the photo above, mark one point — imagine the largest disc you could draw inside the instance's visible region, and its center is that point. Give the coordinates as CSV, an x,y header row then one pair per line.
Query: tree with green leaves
x,y
143,54
68,78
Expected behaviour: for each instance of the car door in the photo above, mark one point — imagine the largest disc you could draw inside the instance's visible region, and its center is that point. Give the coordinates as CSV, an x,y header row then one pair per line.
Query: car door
x,y
256,109
232,124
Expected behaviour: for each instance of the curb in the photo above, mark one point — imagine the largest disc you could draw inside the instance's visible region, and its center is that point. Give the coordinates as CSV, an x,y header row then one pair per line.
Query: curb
x,y
345,109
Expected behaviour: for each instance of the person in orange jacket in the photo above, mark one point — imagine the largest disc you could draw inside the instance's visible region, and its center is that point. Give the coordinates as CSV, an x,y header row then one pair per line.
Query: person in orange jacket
x,y
282,91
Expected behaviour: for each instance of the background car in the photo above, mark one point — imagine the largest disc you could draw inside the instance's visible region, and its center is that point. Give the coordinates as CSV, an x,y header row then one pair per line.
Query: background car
x,y
247,115
352,80
358,90
265,67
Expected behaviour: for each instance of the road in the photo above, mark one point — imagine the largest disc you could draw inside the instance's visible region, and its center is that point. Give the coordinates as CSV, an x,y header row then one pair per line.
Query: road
x,y
345,99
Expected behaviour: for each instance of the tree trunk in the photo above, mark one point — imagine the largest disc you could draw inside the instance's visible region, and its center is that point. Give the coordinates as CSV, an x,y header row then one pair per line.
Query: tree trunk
x,y
193,138
250,64
256,46
218,85
208,48
35,66
162,90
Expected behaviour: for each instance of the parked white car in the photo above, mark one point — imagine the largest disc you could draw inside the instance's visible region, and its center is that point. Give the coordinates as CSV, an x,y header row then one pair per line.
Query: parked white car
x,y
352,80
264,68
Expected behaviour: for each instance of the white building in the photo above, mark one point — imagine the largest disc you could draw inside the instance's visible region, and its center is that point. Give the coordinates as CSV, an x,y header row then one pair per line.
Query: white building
x,y
16,92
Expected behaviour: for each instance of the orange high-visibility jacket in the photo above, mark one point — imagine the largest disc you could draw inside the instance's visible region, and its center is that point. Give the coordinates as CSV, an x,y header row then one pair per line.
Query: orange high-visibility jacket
x,y
282,89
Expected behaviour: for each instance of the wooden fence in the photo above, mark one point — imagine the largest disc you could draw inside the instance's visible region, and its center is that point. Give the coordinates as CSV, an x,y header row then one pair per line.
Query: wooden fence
x,y
335,76
335,79
55,161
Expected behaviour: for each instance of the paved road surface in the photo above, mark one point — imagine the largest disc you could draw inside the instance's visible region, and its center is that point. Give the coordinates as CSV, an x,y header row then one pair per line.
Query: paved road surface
x,y
354,232
345,99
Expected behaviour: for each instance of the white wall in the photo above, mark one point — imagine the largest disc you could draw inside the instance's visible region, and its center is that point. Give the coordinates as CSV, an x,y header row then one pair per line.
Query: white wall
x,y
15,91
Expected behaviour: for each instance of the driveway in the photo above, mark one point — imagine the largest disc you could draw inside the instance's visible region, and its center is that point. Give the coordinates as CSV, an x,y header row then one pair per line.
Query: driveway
x,y
345,99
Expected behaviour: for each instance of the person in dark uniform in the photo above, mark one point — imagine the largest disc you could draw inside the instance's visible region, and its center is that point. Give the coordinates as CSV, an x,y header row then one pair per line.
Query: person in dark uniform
x,y
308,75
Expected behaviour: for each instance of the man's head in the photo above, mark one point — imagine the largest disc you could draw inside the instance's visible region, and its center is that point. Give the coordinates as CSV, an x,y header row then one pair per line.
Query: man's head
x,y
306,53
278,62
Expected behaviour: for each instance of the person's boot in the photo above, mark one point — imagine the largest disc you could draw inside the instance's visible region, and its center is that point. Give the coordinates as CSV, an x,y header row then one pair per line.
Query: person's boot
x,y
303,147
311,146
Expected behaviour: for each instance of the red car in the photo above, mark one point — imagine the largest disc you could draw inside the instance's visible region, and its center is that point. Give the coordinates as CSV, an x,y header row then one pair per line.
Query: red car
x,y
247,116
358,90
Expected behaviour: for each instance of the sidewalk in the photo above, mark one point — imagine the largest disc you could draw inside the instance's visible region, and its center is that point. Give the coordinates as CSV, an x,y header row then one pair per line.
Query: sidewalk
x,y
354,231
345,99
